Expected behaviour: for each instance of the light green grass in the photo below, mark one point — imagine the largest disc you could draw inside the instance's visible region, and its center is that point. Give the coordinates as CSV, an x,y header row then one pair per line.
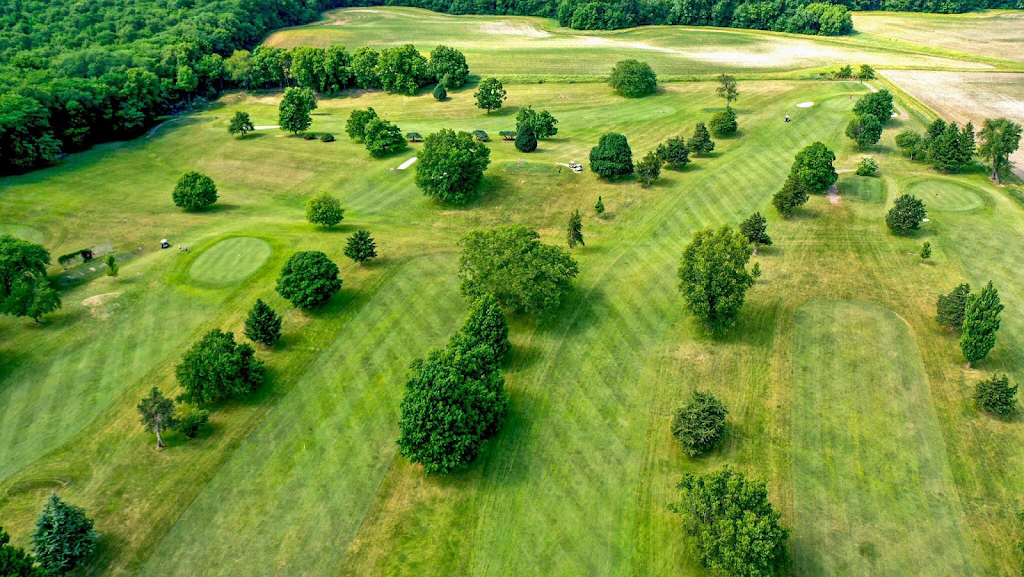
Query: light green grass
x,y
230,260
864,188
868,453
945,194
990,32
303,477
23,232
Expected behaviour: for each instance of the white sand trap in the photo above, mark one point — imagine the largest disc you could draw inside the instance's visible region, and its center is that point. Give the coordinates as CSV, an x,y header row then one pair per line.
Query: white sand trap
x,y
805,105
266,127
408,163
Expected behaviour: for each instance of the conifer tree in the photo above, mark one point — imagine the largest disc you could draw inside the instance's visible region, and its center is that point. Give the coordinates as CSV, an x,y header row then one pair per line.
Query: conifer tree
x,y
949,309
575,232
599,207
701,143
263,325
360,247
981,322
63,538
926,251
754,229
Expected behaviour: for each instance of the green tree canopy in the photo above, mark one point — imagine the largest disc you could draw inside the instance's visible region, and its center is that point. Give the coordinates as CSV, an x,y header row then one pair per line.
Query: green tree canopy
x,y
794,193
486,324
701,143
910,142
542,123
15,561
867,166
448,66
999,139
949,308
995,395
526,140
727,89
754,229
866,72
574,232
63,538
194,191
355,126
263,325
24,288
364,67
981,322
877,104
733,527
383,138
216,368
402,69
723,123
324,210
511,264
713,276
906,214
240,124
360,247
490,94
674,152
451,165
648,169
295,108
864,130
308,279
158,414
439,93
700,424
813,166
612,157
633,79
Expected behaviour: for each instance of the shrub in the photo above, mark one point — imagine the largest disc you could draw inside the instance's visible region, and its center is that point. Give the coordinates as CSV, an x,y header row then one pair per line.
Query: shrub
x,y
325,210
308,136
192,420
723,123
308,279
440,93
632,78
699,425
906,214
327,137
996,396
867,166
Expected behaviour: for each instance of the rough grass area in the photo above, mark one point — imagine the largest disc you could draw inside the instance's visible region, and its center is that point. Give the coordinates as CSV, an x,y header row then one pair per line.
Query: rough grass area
x,y
994,33
868,452
230,261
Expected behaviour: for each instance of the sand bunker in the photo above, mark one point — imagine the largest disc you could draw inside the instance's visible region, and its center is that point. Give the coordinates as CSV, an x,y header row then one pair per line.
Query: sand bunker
x,y
266,127
805,105
407,163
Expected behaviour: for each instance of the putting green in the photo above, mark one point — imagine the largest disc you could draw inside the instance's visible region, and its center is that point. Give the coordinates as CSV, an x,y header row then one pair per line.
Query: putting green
x,y
868,453
230,261
865,188
23,232
944,195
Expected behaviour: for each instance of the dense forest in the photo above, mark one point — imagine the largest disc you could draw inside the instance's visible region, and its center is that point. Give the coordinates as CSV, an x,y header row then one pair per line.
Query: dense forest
x,y
77,72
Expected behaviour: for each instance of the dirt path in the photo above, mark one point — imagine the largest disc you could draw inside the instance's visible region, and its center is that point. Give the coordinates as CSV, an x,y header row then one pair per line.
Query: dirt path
x,y
833,194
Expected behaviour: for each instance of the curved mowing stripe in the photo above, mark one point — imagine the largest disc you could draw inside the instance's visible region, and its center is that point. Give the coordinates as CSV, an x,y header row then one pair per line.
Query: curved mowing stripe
x,y
946,195
230,261
868,453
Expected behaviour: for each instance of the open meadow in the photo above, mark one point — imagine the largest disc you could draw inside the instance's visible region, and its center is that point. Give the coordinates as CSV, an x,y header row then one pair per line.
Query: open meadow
x,y
843,392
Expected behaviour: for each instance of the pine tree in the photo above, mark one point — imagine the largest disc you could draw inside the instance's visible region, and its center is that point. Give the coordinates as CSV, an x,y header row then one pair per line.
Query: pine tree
x,y
112,268
575,233
157,414
526,139
648,169
754,229
486,324
966,146
263,325
756,271
981,322
949,309
361,247
701,143
926,251
64,536
599,207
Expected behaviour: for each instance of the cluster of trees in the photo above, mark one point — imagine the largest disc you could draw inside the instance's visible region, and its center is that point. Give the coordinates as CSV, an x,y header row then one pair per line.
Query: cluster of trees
x,y
451,165
455,398
25,290
866,72
380,136
63,538
951,148
975,315
812,171
871,112
531,125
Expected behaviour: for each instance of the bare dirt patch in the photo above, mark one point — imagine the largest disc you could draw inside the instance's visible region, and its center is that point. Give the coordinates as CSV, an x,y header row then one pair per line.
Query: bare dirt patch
x,y
99,305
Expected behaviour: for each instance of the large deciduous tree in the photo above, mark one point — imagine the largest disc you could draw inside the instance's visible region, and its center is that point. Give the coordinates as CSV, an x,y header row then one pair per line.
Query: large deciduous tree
x,y
999,139
511,264
308,279
723,123
295,108
194,190
906,214
216,368
542,123
612,157
733,527
490,94
981,322
864,130
632,78
355,126
324,210
713,276
240,124
648,169
813,166
402,69
451,165
63,538
727,89
877,104
448,66
383,138
794,193
158,414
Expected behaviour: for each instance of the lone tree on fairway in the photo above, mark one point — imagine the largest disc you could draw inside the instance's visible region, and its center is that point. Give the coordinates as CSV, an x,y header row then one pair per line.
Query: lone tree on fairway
x,y
699,425
813,166
949,309
240,124
454,400
877,104
308,279
981,322
995,395
792,194
526,140
112,268
194,191
263,325
355,126
295,108
926,251
999,139
383,138
612,157
15,561
510,263
674,152
864,130
451,165
324,210
32,297
439,93
906,214
633,78
648,169
216,368
599,207
733,527
157,414
867,166
486,324
490,94
727,89
574,234
866,72
754,229
701,143
723,123
360,247
542,123
713,276
63,538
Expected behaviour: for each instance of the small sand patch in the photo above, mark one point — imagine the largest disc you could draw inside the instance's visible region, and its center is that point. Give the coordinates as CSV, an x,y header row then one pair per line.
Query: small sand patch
x,y
833,194
97,304
805,105
407,163
266,127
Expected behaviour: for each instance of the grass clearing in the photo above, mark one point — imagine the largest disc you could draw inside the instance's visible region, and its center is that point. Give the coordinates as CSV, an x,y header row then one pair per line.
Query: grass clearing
x,y
990,32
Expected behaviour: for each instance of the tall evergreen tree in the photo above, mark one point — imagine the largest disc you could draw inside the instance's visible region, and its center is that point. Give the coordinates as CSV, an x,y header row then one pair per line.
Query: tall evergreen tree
x,y
575,230
263,325
526,140
360,247
648,169
599,207
981,322
15,561
157,414
64,536
701,143
949,309
754,229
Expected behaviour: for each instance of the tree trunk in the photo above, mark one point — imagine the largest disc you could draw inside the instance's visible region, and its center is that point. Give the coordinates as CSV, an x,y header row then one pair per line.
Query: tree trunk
x,y
159,439
755,248
995,172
